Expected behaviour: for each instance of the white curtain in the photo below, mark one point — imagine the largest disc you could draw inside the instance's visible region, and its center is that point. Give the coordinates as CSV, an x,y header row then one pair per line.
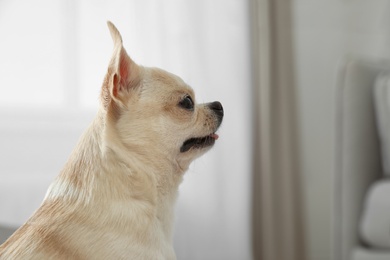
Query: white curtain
x,y
277,196
53,56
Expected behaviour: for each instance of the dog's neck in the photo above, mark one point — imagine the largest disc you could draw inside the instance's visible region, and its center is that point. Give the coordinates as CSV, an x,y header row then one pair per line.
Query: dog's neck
x,y
121,171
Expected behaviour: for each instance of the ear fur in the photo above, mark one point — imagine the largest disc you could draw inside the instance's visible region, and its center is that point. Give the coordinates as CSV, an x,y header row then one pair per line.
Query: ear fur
x,y
115,35
123,72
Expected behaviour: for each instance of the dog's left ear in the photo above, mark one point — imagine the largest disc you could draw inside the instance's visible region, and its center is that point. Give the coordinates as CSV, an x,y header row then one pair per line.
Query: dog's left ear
x,y
123,73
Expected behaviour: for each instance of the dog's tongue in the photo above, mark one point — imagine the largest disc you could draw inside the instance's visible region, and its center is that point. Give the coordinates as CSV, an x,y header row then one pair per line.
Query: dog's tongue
x,y
215,136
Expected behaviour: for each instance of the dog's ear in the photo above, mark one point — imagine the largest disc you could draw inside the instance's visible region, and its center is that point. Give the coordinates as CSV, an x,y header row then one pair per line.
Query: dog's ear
x,y
123,72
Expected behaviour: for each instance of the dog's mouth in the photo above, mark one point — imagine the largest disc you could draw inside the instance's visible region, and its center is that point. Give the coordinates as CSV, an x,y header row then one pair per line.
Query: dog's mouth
x,y
199,142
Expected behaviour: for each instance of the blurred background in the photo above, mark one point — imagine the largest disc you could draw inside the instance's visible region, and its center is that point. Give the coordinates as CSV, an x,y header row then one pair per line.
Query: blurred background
x,y
275,186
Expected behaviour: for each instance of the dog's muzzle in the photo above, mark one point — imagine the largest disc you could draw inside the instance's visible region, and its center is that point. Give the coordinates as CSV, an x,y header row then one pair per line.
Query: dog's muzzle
x,y
209,140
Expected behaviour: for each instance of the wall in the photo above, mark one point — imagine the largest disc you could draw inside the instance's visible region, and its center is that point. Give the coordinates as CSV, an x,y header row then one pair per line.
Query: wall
x,y
327,32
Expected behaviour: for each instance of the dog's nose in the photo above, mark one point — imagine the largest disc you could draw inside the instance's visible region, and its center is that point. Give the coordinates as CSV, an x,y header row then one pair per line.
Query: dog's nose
x,y
217,108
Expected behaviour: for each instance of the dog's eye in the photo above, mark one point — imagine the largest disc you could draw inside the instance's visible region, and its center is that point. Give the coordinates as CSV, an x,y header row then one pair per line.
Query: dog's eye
x,y
187,103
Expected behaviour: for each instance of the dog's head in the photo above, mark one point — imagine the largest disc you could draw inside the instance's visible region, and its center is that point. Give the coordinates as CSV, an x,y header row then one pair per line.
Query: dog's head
x,y
154,113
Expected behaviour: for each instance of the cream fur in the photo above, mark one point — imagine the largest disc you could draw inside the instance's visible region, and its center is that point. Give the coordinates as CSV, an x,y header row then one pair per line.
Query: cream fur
x,y
115,197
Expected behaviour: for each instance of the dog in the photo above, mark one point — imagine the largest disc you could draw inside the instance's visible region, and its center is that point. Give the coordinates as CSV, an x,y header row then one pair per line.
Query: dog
x,y
114,198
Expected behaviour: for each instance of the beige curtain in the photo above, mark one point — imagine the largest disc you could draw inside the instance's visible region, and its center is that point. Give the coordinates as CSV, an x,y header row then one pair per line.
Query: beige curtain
x,y
277,203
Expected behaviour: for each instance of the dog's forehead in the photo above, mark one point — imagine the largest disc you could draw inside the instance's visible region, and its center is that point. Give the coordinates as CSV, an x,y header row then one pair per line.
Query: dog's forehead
x,y
170,80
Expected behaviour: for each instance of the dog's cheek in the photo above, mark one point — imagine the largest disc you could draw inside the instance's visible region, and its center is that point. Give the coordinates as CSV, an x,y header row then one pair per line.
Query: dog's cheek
x,y
177,114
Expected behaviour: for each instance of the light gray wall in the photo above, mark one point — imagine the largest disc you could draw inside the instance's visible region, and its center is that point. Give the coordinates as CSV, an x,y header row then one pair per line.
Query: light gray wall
x,y
327,32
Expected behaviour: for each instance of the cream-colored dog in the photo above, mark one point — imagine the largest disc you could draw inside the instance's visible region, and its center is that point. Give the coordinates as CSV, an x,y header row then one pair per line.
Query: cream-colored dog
x,y
115,197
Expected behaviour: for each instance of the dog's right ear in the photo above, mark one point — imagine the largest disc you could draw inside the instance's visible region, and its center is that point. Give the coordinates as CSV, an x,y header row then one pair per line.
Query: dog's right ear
x,y
123,73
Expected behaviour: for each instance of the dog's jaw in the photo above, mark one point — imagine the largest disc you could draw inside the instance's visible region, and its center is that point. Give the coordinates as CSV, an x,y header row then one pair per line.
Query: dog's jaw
x,y
199,142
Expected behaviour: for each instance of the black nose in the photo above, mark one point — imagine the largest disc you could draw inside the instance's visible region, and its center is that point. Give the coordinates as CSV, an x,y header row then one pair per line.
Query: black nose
x,y
217,108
